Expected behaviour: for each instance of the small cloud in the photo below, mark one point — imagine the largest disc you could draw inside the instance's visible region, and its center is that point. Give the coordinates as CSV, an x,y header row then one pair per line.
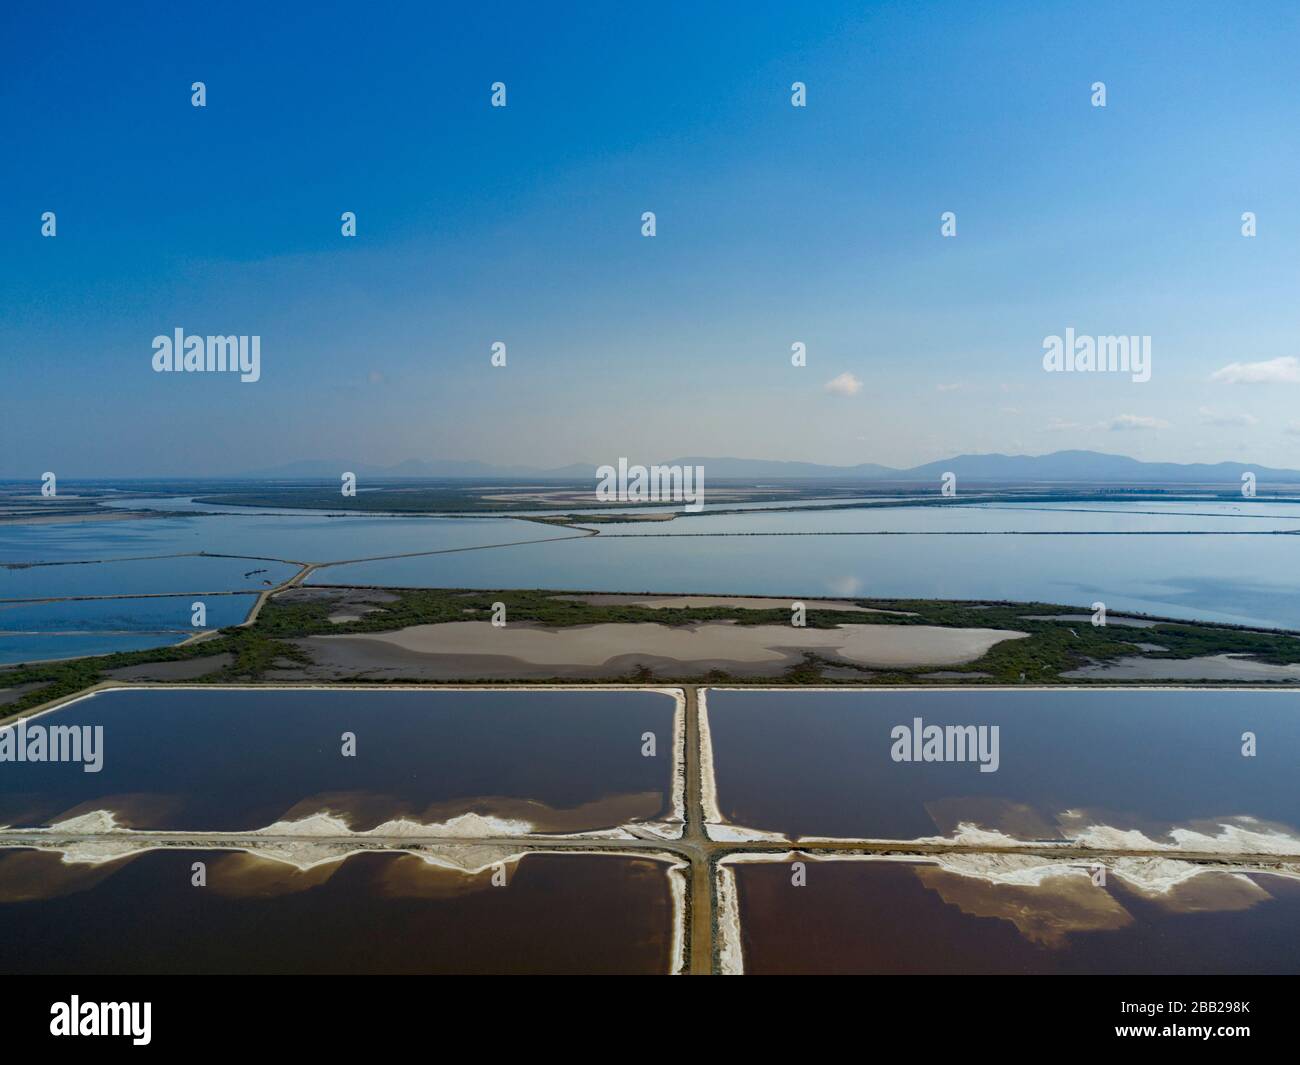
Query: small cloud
x,y
844,385
1135,421
375,377
1010,410
1119,423
1280,371
1213,417
951,386
1294,428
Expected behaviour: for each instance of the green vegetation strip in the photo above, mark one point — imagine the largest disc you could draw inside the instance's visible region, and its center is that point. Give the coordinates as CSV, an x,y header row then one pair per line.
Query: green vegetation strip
x,y
1052,647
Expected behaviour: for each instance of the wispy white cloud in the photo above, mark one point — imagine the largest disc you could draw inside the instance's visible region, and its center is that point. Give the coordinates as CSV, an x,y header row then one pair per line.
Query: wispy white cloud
x,y
1119,423
844,385
1056,425
1214,417
1124,422
1280,371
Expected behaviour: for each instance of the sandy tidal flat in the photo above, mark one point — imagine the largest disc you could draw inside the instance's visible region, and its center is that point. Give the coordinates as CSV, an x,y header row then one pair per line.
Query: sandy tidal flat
x,y
1206,667
524,650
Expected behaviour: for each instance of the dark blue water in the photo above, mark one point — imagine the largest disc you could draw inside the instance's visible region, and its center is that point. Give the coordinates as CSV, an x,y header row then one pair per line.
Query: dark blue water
x,y
819,763
373,913
228,760
894,918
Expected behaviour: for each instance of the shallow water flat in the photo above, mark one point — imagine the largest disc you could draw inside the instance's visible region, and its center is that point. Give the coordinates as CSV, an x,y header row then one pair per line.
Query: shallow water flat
x,y
1251,580
303,537
42,647
226,760
1131,768
75,541
1240,579
372,913
152,576
117,615
954,518
885,917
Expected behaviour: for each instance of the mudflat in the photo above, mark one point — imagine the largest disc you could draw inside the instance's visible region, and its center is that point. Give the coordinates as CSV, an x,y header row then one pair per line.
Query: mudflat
x,y
452,649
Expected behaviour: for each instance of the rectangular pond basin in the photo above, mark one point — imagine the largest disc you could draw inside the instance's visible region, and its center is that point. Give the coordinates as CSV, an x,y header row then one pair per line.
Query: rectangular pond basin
x,y
986,914
446,762
369,913
1127,769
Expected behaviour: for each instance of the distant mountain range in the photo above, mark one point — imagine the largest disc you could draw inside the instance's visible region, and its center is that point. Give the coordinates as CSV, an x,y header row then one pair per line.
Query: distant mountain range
x,y
1059,466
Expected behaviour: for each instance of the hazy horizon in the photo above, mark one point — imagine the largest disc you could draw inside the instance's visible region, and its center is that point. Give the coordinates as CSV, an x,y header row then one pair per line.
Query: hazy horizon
x,y
717,467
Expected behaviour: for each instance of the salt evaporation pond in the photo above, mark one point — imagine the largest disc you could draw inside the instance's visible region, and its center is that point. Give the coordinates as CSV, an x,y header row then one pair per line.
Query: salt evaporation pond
x,y
371,913
459,763
1126,768
965,916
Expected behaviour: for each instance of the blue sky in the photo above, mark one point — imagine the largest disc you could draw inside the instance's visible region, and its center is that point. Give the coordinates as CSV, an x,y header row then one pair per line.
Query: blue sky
x,y
522,224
